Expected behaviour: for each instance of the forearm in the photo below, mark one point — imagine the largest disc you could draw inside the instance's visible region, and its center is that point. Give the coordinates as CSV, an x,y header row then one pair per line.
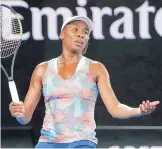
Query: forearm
x,y
29,107
123,111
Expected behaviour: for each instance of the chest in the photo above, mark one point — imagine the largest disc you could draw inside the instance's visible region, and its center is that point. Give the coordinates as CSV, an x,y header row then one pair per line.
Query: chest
x,y
66,71
80,84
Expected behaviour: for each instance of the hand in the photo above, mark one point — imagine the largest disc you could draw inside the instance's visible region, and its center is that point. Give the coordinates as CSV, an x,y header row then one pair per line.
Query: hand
x,y
148,107
17,109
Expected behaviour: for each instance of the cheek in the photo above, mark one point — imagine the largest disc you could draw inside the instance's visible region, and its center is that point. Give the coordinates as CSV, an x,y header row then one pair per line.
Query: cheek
x,y
86,40
67,39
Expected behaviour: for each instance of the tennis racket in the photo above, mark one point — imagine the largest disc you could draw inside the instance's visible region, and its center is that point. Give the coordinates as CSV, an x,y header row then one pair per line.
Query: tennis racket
x,y
10,40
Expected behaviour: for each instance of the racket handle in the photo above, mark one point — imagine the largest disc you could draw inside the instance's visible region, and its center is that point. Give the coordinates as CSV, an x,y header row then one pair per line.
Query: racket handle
x,y
13,91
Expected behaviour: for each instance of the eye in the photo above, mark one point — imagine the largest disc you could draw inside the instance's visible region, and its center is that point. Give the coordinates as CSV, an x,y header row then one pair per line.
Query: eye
x,y
75,29
86,32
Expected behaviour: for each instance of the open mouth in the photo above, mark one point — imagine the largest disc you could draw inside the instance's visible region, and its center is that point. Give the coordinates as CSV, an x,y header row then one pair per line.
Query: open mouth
x,y
79,42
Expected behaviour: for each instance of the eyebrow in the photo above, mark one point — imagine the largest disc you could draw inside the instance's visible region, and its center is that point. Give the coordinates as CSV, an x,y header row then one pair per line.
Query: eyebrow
x,y
86,28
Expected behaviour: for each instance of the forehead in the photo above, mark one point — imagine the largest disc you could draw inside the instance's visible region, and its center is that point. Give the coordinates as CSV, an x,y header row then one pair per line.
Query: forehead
x,y
78,24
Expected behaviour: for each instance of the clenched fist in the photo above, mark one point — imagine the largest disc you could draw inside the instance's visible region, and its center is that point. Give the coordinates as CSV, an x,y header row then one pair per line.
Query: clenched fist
x,y
17,109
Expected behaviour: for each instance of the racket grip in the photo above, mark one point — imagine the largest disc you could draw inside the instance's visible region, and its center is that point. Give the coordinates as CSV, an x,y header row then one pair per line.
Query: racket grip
x,y
13,91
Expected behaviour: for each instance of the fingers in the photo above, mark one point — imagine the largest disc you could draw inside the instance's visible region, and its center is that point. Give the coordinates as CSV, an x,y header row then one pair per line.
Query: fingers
x,y
143,108
15,104
16,109
16,114
154,103
147,107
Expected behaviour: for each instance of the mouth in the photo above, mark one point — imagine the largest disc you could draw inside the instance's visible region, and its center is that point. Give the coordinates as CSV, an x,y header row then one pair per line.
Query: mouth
x,y
79,42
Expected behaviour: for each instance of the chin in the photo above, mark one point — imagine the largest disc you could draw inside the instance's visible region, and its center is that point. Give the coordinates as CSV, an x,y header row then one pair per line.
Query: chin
x,y
77,51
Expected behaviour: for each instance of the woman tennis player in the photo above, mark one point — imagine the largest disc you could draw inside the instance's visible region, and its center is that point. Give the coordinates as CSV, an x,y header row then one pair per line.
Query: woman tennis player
x,y
70,85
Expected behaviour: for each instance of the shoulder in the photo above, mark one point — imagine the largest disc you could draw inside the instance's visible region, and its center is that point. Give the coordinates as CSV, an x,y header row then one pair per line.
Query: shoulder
x,y
97,67
40,68
43,65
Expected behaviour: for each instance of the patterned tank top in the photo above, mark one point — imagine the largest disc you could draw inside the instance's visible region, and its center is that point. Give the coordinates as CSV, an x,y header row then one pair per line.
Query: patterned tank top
x,y
69,104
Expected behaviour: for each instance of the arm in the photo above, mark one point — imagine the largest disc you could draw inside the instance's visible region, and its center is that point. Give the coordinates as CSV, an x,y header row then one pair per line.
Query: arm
x,y
33,95
115,108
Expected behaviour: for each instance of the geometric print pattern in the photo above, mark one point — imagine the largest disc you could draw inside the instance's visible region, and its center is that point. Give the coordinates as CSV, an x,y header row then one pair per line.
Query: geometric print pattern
x,y
70,104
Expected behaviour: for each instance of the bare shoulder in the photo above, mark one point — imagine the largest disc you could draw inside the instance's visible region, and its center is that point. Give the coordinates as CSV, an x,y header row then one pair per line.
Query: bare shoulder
x,y
97,66
42,65
40,69
98,69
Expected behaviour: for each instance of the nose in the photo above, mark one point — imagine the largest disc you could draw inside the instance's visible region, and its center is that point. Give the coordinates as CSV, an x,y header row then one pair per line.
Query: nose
x,y
81,35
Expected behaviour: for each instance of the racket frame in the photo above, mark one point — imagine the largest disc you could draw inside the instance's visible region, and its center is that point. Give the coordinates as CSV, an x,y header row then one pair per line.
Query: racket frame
x,y
11,82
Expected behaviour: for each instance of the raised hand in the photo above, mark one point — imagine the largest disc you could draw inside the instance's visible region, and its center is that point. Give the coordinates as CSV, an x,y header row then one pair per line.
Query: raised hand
x,y
148,107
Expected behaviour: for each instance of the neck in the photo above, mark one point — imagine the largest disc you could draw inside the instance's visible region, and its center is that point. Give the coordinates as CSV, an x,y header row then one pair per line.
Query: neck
x,y
68,57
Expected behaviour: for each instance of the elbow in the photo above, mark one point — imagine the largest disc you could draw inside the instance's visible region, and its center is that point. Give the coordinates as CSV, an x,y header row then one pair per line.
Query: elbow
x,y
113,114
119,116
117,112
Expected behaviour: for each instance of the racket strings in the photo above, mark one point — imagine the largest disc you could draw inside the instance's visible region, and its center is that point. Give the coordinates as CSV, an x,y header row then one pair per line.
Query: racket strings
x,y
10,33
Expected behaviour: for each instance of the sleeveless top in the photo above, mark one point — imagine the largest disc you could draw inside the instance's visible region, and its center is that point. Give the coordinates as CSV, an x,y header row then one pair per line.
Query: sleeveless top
x,y
69,104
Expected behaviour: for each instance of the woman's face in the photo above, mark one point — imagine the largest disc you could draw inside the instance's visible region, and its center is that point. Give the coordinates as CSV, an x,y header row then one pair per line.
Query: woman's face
x,y
75,36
